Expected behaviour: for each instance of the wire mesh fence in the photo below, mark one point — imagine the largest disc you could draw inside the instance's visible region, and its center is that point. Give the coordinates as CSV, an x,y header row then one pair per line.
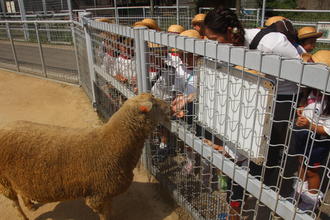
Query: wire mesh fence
x,y
237,146
50,43
231,151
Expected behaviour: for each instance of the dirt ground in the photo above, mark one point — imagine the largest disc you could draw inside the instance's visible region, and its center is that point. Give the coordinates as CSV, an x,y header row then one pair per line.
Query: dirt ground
x,y
28,98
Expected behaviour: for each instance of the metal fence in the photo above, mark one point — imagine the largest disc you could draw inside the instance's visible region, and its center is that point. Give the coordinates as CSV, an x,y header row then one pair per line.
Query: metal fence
x,y
233,150
39,47
164,15
221,157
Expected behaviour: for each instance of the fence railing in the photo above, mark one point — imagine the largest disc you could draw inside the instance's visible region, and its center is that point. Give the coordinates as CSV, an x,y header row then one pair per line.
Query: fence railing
x,y
230,151
44,48
233,110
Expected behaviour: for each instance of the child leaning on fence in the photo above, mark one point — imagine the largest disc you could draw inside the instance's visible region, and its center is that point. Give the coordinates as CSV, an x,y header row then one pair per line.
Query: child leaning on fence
x,y
125,62
312,141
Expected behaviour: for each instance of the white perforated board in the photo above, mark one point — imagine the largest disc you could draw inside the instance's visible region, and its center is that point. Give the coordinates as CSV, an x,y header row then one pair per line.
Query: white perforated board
x,y
236,105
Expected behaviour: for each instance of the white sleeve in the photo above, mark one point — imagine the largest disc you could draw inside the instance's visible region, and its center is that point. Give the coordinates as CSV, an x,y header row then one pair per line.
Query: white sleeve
x,y
277,43
326,126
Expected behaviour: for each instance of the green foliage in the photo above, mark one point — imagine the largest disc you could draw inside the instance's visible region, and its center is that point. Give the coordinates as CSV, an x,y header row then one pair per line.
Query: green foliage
x,y
281,4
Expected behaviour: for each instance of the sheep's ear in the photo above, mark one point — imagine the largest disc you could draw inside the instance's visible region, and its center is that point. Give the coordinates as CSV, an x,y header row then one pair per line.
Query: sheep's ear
x,y
145,107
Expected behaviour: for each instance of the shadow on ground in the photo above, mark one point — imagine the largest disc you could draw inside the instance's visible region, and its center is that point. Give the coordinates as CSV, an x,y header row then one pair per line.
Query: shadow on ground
x,y
141,201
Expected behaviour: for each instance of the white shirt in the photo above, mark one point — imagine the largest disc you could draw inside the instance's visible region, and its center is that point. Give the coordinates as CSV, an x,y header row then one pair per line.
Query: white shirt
x,y
185,80
276,43
108,64
125,67
173,60
314,111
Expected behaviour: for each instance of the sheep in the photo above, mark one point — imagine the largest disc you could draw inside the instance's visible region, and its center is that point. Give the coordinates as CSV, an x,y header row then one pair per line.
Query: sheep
x,y
46,163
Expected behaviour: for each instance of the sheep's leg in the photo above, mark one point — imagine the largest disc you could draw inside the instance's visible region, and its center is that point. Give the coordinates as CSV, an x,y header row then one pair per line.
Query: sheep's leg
x,y
10,194
100,205
29,204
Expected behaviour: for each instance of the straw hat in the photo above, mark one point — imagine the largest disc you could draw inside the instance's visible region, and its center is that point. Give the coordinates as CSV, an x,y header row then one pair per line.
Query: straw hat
x,y
308,32
198,18
249,70
191,33
139,24
107,20
322,56
150,23
175,28
154,45
273,20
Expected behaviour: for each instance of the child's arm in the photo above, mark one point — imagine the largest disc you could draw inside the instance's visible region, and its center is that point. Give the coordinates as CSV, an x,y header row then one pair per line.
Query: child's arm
x,y
304,122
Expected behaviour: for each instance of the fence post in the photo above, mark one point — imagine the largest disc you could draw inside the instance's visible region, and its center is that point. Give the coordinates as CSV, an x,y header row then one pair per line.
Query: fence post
x,y
142,79
23,18
2,4
40,50
116,12
44,8
85,21
12,46
177,12
263,13
258,17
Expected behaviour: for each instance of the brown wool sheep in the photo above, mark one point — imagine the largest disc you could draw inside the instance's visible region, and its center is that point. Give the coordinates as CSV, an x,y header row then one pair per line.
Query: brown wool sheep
x,y
48,163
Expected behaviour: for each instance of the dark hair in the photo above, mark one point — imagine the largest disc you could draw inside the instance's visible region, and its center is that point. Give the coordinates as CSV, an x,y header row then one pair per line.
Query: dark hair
x,y
220,19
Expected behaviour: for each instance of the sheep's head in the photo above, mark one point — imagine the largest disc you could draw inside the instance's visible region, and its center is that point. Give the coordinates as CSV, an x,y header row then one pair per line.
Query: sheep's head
x,y
155,109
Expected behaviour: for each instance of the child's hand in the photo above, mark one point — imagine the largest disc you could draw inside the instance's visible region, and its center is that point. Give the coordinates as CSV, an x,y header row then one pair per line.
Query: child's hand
x,y
300,111
177,105
302,122
121,78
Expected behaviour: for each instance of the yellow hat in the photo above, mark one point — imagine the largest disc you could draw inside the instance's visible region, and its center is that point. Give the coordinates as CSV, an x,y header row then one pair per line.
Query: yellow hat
x,y
322,56
153,45
308,32
191,33
273,20
151,24
175,28
249,70
107,20
139,24
198,18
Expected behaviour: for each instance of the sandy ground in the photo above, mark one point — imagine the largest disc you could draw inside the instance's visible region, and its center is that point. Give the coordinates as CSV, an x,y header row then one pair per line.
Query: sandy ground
x,y
27,98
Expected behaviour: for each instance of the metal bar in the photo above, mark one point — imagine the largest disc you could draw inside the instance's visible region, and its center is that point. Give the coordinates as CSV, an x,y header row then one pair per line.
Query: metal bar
x,y
44,7
146,7
40,51
38,22
76,52
90,56
138,57
2,4
258,17
12,46
116,12
144,62
70,9
263,13
177,11
23,17
284,208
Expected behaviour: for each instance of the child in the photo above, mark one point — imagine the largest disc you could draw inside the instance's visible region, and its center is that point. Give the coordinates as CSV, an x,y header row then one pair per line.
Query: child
x,y
198,24
307,38
173,57
312,140
125,63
